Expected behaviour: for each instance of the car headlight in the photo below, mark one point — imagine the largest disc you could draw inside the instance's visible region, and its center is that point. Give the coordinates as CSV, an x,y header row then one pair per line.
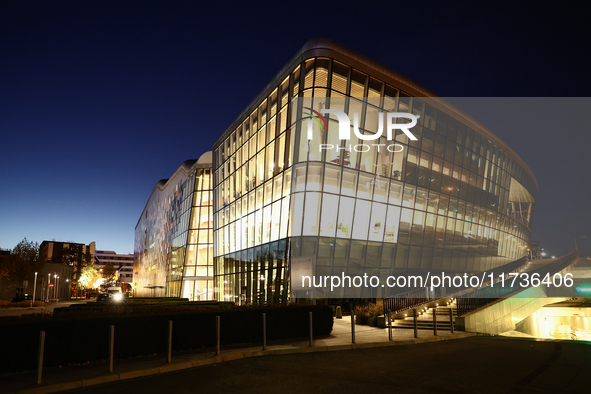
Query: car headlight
x,y
117,297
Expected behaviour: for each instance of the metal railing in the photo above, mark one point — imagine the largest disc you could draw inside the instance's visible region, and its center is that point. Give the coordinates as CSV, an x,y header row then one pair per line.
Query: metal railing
x,y
404,301
478,298
413,298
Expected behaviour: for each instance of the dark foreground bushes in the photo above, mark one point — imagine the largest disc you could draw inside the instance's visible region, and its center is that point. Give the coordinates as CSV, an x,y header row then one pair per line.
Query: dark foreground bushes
x,y
74,340
368,314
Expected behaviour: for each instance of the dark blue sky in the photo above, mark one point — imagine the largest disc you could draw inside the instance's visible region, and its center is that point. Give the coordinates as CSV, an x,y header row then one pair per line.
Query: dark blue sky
x,y
101,99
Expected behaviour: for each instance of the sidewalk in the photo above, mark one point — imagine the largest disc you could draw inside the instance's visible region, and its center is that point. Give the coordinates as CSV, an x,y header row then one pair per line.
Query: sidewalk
x,y
71,377
46,308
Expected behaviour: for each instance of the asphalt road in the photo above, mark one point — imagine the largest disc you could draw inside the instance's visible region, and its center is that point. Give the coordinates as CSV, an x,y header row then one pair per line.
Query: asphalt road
x,y
473,365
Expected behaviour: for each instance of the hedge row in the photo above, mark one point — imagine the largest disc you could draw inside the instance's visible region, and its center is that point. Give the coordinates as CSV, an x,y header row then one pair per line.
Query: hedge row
x,y
136,304
75,340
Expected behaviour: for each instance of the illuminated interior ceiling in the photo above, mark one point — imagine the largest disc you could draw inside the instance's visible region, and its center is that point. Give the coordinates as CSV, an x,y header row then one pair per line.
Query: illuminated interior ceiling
x,y
518,193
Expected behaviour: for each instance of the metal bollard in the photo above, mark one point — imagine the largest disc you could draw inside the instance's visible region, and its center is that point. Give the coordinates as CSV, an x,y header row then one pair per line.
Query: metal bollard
x,y
169,341
264,331
451,320
217,330
435,321
111,346
389,326
41,351
311,329
414,315
352,326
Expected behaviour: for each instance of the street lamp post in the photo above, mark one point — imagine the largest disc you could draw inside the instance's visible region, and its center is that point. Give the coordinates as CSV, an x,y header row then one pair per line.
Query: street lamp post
x,y
34,290
58,288
48,282
54,286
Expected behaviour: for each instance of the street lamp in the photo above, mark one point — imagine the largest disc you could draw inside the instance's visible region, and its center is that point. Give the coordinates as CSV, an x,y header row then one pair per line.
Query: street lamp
x,y
48,281
34,290
58,288
55,287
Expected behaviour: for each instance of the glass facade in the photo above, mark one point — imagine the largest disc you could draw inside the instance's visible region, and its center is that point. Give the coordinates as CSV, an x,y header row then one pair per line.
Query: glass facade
x,y
198,268
456,199
173,254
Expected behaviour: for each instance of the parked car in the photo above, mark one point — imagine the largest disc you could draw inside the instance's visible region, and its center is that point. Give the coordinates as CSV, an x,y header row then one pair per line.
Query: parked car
x,y
22,298
102,297
113,294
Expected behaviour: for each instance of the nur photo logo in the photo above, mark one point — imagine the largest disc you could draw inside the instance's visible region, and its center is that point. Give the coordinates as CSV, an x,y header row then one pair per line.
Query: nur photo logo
x,y
386,121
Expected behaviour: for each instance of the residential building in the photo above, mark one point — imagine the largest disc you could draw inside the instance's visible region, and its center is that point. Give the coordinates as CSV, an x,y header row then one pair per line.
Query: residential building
x,y
67,253
123,263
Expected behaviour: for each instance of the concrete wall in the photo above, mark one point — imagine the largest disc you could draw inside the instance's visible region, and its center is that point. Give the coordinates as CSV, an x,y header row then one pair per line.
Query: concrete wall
x,y
505,314
554,322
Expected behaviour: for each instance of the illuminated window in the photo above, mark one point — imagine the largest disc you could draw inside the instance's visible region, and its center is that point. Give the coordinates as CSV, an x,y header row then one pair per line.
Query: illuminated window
x,y
328,223
377,223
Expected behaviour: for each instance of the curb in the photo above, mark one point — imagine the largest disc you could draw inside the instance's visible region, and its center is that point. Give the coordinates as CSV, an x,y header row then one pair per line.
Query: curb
x,y
230,356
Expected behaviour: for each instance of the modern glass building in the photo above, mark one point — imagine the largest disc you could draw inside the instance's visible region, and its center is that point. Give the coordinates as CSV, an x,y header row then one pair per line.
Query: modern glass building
x,y
456,199
173,252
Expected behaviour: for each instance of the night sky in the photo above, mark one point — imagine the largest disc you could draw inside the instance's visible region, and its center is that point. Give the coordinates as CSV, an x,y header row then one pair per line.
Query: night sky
x,y
101,99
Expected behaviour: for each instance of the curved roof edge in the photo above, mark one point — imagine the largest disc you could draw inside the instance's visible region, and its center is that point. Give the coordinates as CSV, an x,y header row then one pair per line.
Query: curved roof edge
x,y
186,168
206,158
324,46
